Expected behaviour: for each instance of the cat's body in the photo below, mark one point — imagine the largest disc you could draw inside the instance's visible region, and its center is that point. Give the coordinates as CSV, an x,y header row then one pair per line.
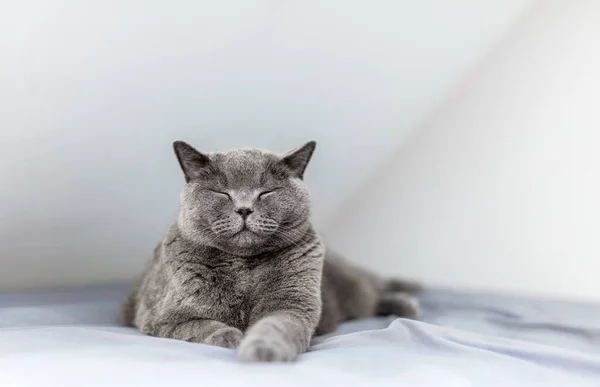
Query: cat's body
x,y
243,267
349,292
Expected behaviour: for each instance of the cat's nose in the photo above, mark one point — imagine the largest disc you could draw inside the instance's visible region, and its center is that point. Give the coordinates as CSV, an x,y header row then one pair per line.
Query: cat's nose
x,y
244,211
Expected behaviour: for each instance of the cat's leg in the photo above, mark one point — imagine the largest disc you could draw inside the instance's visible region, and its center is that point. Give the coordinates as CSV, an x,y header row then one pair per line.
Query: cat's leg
x,y
277,337
399,304
128,310
401,285
396,297
287,309
129,307
331,315
204,331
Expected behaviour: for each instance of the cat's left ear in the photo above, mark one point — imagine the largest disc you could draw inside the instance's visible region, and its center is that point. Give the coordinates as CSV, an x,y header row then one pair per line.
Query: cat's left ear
x,y
297,160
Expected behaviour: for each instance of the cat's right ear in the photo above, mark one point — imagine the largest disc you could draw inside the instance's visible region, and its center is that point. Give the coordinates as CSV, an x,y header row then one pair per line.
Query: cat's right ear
x,y
192,162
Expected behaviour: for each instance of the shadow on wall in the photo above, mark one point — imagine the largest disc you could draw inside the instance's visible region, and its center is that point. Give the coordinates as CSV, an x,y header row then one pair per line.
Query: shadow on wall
x,y
499,189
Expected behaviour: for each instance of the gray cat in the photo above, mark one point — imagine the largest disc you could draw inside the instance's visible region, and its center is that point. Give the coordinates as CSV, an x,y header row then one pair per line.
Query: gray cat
x,y
242,267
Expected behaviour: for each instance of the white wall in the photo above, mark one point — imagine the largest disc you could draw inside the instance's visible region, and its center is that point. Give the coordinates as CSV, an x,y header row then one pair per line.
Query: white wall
x,y
500,189
93,93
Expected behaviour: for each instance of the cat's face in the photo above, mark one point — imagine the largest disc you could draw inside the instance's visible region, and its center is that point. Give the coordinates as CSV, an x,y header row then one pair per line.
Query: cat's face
x,y
244,201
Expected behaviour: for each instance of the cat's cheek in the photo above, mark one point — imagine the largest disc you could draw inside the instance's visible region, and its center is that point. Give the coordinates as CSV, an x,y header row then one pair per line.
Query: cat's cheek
x,y
270,209
218,206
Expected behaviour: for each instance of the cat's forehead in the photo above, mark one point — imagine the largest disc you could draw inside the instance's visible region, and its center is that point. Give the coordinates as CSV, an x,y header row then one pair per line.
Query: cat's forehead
x,y
246,167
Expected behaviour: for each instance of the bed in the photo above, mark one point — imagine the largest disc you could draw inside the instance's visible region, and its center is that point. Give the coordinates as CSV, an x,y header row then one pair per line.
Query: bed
x,y
71,338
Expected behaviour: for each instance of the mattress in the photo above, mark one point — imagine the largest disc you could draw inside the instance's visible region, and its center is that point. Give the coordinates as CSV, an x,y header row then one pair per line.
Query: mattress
x,y
71,337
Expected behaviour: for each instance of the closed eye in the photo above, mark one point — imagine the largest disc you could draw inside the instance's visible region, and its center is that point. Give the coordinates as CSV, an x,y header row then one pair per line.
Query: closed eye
x,y
264,194
220,193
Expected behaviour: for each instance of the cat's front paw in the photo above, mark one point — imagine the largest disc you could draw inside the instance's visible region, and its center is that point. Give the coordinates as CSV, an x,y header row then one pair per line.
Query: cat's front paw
x,y
228,337
261,349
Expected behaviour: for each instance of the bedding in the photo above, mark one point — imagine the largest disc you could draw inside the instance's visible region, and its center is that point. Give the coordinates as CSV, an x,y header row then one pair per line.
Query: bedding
x,y
72,338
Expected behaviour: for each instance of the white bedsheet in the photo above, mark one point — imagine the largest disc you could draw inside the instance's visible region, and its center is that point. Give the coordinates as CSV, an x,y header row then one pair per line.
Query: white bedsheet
x,y
71,338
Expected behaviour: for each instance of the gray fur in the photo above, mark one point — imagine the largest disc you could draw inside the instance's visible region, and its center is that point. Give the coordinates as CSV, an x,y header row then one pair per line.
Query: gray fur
x,y
242,267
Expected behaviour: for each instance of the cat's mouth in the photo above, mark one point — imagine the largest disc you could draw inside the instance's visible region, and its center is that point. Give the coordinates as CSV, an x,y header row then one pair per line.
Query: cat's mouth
x,y
249,229
244,229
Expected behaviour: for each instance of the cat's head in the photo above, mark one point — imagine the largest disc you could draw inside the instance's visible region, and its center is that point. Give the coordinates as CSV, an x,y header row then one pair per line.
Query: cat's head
x,y
245,201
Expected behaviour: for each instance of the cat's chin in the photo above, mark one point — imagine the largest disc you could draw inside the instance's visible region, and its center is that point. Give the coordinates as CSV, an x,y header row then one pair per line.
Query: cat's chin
x,y
246,238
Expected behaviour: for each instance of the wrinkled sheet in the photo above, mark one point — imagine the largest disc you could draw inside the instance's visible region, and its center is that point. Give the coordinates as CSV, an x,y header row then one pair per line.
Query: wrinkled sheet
x,y
71,338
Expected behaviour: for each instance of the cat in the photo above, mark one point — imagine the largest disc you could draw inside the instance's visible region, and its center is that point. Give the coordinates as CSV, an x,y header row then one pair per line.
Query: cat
x,y
242,266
